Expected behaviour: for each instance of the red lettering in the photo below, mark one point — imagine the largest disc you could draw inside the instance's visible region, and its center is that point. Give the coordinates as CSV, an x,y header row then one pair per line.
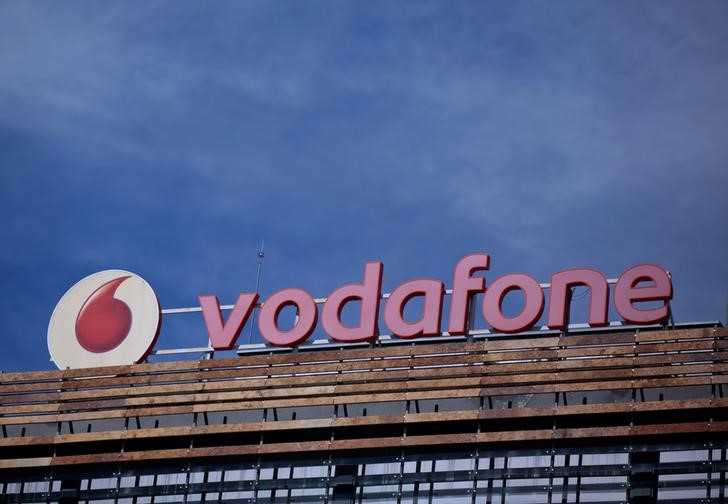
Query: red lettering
x,y
305,325
560,296
223,336
429,323
532,304
368,293
627,292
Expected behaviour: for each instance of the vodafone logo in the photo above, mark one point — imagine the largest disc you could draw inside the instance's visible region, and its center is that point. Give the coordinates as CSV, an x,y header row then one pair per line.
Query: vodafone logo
x,y
108,318
113,317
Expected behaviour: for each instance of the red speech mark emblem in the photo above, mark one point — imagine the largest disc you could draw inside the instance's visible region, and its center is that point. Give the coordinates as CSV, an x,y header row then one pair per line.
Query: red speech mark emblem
x,y
109,318
103,321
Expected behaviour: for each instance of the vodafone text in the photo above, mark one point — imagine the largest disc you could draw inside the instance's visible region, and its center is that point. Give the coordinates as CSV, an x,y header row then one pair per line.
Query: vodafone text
x,y
655,286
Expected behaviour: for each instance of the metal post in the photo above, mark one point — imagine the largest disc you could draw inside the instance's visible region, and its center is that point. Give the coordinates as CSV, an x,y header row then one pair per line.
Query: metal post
x,y
491,477
258,276
504,480
471,318
476,456
721,495
565,479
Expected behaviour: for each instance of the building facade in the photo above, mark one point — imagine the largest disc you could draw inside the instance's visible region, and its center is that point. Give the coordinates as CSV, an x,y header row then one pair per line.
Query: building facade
x,y
608,415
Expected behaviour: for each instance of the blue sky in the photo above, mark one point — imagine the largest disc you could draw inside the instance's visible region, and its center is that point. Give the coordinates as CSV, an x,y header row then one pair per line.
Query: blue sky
x,y
168,138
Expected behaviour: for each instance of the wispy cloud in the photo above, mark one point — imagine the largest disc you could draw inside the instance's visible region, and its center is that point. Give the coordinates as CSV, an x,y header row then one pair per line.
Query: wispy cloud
x,y
169,137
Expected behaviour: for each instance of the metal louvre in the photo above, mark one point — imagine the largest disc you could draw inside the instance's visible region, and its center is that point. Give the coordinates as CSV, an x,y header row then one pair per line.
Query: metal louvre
x,y
682,473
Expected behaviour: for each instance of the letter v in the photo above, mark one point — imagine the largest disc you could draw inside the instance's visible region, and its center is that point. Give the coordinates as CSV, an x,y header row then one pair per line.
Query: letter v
x,y
223,337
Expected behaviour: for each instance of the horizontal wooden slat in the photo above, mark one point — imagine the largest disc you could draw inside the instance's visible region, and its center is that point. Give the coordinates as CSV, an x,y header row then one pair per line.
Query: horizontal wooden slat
x,y
466,372
567,370
366,366
577,380
380,420
494,345
572,340
662,335
596,351
376,442
385,391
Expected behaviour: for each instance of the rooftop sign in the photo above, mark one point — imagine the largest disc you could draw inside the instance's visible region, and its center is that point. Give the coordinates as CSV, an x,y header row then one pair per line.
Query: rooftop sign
x,y
108,318
94,320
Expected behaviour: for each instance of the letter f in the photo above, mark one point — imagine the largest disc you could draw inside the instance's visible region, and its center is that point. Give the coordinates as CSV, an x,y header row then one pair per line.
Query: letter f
x,y
464,284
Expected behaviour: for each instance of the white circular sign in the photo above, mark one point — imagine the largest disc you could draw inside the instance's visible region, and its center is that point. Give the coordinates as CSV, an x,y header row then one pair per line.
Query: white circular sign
x,y
109,318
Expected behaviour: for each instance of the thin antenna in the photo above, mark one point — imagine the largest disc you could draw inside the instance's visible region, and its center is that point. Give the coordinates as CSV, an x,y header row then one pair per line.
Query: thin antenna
x,y
258,276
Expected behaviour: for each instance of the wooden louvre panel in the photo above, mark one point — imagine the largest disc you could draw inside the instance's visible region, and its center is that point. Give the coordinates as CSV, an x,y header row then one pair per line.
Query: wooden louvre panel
x,y
595,381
